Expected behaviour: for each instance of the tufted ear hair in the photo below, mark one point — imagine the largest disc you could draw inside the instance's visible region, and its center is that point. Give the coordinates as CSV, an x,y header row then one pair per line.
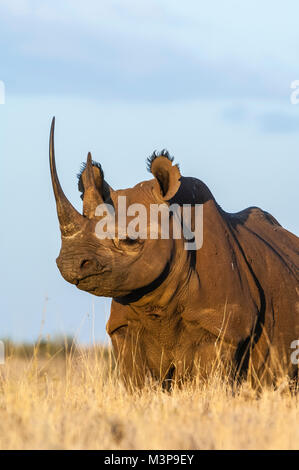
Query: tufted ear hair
x,y
167,175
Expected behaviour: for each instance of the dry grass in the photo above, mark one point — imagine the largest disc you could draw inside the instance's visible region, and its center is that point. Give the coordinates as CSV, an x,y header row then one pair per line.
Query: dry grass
x,y
76,401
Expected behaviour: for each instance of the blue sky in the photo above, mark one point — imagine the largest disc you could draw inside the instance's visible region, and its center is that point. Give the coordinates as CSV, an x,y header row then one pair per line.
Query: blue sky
x,y
210,81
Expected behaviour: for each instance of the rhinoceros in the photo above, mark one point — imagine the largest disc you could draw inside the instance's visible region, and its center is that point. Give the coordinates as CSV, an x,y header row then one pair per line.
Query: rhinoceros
x,y
175,312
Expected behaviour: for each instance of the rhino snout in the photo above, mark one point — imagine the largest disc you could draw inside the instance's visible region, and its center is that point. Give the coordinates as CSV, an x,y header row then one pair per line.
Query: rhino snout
x,y
74,269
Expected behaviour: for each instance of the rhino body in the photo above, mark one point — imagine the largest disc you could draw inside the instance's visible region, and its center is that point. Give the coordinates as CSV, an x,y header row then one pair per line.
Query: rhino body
x,y
176,313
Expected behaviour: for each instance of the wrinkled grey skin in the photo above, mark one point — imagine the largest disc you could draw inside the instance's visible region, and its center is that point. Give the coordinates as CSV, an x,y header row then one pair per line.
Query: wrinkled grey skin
x,y
176,313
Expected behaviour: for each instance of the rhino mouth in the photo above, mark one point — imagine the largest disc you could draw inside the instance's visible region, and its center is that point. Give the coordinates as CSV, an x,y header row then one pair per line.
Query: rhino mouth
x,y
90,280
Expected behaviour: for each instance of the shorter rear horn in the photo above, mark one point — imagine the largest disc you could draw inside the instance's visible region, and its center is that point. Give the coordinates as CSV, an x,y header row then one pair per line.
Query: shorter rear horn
x,y
92,197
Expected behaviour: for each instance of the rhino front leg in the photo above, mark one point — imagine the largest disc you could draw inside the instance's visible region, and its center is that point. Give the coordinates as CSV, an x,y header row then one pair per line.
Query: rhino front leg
x,y
130,357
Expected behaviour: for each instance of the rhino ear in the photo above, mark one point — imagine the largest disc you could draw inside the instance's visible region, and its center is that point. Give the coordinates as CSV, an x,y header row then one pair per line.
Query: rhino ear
x,y
167,175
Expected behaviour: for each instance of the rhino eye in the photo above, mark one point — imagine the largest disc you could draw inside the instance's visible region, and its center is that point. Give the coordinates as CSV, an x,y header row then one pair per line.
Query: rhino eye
x,y
131,241
127,243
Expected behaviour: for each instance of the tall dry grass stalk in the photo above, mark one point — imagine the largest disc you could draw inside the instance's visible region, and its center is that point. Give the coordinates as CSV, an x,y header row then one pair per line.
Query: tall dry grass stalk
x,y
75,400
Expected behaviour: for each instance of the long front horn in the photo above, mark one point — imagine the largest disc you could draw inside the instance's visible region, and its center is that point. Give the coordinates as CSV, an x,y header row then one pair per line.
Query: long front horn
x,y
69,218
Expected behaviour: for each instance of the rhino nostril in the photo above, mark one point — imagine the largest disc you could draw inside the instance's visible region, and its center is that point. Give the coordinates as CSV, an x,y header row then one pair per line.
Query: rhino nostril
x,y
90,266
85,263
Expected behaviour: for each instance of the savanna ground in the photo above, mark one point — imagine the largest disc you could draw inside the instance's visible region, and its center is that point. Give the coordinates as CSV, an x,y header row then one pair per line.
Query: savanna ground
x,y
65,397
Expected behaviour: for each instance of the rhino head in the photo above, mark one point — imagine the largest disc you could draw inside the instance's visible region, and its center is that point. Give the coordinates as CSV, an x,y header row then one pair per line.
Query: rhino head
x,y
116,266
